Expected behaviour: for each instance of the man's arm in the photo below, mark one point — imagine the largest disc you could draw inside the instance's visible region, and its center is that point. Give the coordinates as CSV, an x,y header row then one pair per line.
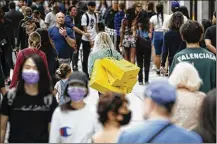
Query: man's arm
x,y
71,42
208,37
210,46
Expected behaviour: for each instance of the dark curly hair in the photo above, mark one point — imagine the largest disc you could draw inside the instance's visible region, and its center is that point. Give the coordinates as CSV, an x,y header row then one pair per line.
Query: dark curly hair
x,y
109,102
176,21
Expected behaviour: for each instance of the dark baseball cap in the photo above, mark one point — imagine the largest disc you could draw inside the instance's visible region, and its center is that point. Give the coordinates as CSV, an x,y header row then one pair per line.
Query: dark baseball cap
x,y
161,92
78,77
91,3
175,4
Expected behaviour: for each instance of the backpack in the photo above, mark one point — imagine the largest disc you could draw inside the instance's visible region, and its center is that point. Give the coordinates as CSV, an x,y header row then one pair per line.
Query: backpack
x,y
63,86
89,19
12,94
29,26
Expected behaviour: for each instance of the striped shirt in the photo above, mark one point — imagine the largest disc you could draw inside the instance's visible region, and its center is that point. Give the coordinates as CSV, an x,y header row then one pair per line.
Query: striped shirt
x,y
100,55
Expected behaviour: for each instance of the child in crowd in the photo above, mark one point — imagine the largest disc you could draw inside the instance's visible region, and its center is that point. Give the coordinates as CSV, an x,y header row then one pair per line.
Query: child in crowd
x,y
63,73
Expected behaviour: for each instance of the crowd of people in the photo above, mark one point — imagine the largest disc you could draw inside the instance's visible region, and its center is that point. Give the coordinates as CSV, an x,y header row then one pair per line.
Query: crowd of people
x,y
45,101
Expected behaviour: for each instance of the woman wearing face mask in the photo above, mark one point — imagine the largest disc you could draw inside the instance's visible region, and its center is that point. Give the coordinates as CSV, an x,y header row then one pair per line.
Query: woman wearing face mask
x,y
74,121
34,45
26,26
113,113
29,107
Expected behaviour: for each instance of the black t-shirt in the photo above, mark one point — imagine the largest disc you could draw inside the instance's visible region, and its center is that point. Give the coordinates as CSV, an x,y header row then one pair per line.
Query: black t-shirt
x,y
29,117
211,35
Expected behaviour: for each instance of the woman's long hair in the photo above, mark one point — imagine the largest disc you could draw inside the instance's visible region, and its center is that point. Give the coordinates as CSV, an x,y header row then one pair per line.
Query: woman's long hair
x,y
176,21
207,119
45,40
44,84
102,41
160,11
100,5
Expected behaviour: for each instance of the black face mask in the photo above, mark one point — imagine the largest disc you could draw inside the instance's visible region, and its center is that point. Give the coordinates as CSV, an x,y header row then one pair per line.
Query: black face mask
x,y
126,119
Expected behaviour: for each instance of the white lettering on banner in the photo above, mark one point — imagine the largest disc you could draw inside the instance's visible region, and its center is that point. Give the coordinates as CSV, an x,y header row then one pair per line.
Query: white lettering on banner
x,y
196,56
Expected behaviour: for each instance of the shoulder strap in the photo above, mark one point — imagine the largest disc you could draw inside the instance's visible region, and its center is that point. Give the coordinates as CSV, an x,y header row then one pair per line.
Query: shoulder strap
x,y
11,96
63,86
155,135
95,17
87,18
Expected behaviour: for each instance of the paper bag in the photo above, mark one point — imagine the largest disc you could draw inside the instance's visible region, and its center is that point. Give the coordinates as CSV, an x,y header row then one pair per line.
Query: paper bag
x,y
99,80
128,82
120,69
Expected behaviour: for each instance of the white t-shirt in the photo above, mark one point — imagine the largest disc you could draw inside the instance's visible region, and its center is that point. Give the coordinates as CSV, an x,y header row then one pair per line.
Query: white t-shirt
x,y
74,126
50,19
42,24
157,25
167,21
91,28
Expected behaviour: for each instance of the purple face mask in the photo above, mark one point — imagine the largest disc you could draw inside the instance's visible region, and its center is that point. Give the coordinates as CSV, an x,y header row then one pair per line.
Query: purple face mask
x,y
30,76
76,93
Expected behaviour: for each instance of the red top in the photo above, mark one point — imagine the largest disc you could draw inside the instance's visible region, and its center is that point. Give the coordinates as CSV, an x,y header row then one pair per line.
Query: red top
x,y
20,60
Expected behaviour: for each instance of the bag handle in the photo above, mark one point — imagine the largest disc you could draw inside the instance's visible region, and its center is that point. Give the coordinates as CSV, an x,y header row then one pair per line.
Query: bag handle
x,y
155,135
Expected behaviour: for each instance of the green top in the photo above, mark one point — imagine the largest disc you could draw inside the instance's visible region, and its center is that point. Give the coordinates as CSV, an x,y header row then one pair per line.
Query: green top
x,y
106,52
204,61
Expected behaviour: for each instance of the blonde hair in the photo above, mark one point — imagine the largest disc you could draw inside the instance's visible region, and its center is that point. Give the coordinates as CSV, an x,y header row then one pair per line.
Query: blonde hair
x,y
34,40
185,75
25,8
102,41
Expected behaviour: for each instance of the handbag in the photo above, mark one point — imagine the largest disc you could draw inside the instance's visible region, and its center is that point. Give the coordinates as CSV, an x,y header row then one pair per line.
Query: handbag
x,y
144,41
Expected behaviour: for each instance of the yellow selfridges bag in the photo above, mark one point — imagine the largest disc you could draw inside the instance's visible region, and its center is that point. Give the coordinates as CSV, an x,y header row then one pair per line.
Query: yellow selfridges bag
x,y
129,82
99,80
120,69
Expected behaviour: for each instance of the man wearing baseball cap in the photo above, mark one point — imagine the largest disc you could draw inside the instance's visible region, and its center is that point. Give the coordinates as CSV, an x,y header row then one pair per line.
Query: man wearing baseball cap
x,y
89,22
160,98
174,8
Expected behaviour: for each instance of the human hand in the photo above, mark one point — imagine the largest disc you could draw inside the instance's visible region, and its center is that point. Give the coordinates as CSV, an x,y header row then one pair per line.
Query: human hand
x,y
87,35
62,31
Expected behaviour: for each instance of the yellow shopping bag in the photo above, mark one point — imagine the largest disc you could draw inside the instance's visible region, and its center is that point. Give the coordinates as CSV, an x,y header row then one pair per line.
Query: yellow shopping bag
x,y
120,69
99,80
128,82
127,89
